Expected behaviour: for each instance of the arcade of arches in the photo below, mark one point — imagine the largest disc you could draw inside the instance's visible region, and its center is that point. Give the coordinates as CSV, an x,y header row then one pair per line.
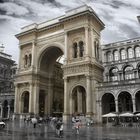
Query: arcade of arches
x,y
124,102
7,108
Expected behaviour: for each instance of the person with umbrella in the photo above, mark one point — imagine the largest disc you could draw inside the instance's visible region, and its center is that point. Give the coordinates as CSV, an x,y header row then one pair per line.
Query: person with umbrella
x,y
34,122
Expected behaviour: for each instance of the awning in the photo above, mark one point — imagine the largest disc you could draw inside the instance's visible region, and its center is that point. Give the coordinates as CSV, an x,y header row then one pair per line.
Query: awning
x,y
110,115
137,114
127,114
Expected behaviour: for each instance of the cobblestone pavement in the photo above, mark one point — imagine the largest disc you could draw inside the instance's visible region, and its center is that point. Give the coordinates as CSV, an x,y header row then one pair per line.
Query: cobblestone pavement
x,y
23,131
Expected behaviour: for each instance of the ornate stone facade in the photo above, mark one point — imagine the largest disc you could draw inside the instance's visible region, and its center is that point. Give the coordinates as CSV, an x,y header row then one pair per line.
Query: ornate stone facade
x,y
89,86
7,73
76,35
120,91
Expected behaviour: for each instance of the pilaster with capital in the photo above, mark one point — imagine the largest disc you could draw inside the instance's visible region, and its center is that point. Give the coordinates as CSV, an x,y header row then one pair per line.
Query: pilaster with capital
x,y
1,113
66,47
116,105
16,106
66,115
33,53
31,98
88,96
36,98
8,111
134,104
87,43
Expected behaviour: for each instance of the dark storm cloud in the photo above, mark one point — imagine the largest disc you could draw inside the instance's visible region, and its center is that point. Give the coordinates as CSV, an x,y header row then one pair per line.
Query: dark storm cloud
x,y
1,1
131,33
119,16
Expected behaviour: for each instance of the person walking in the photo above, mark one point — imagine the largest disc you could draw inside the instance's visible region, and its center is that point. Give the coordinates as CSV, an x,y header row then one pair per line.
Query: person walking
x,y
77,126
34,122
61,130
58,125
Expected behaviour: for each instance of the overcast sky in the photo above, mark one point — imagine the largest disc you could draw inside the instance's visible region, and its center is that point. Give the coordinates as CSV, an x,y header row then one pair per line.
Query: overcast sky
x,y
119,16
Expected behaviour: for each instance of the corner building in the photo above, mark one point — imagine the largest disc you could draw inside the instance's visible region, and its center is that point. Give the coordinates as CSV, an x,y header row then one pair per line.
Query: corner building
x,y
7,73
83,84
120,91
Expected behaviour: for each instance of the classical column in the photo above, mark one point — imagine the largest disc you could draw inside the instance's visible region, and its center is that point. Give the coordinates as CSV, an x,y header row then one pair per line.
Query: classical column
x,y
66,48
119,56
79,100
134,104
86,43
136,74
116,105
31,98
92,43
100,111
16,103
88,96
1,113
134,52
36,98
8,111
66,101
72,104
33,54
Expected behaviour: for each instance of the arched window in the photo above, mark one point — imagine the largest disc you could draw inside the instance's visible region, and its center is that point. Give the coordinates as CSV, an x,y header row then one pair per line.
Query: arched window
x,y
139,71
95,49
81,49
123,54
137,51
75,50
113,74
128,72
30,59
130,53
25,60
116,55
109,57
5,73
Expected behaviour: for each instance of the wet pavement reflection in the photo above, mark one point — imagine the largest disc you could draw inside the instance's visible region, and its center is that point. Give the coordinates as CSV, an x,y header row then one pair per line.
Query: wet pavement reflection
x,y
18,130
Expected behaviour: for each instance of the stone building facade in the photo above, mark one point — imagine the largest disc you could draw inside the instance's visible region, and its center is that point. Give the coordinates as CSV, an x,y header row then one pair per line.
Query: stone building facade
x,y
76,35
7,73
120,91
83,84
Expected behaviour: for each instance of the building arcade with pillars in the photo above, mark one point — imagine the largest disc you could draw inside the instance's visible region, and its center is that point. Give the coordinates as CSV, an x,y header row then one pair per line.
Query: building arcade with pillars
x,y
120,91
7,73
82,84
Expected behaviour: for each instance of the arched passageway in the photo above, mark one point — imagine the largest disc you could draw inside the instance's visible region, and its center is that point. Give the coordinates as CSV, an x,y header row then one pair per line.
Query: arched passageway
x,y
137,99
5,109
125,102
51,92
108,103
79,100
25,102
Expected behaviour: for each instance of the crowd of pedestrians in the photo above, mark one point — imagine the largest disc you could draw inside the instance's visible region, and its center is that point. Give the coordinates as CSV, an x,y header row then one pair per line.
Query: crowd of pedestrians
x,y
56,124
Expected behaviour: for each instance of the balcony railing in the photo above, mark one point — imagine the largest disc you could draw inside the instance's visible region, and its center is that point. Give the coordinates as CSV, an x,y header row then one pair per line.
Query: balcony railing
x,y
122,82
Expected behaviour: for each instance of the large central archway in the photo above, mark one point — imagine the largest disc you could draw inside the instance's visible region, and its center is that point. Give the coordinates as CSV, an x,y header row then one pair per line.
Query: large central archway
x,y
51,93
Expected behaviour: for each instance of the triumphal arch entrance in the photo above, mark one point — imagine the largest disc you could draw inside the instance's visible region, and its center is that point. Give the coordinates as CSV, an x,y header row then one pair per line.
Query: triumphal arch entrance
x,y
44,84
